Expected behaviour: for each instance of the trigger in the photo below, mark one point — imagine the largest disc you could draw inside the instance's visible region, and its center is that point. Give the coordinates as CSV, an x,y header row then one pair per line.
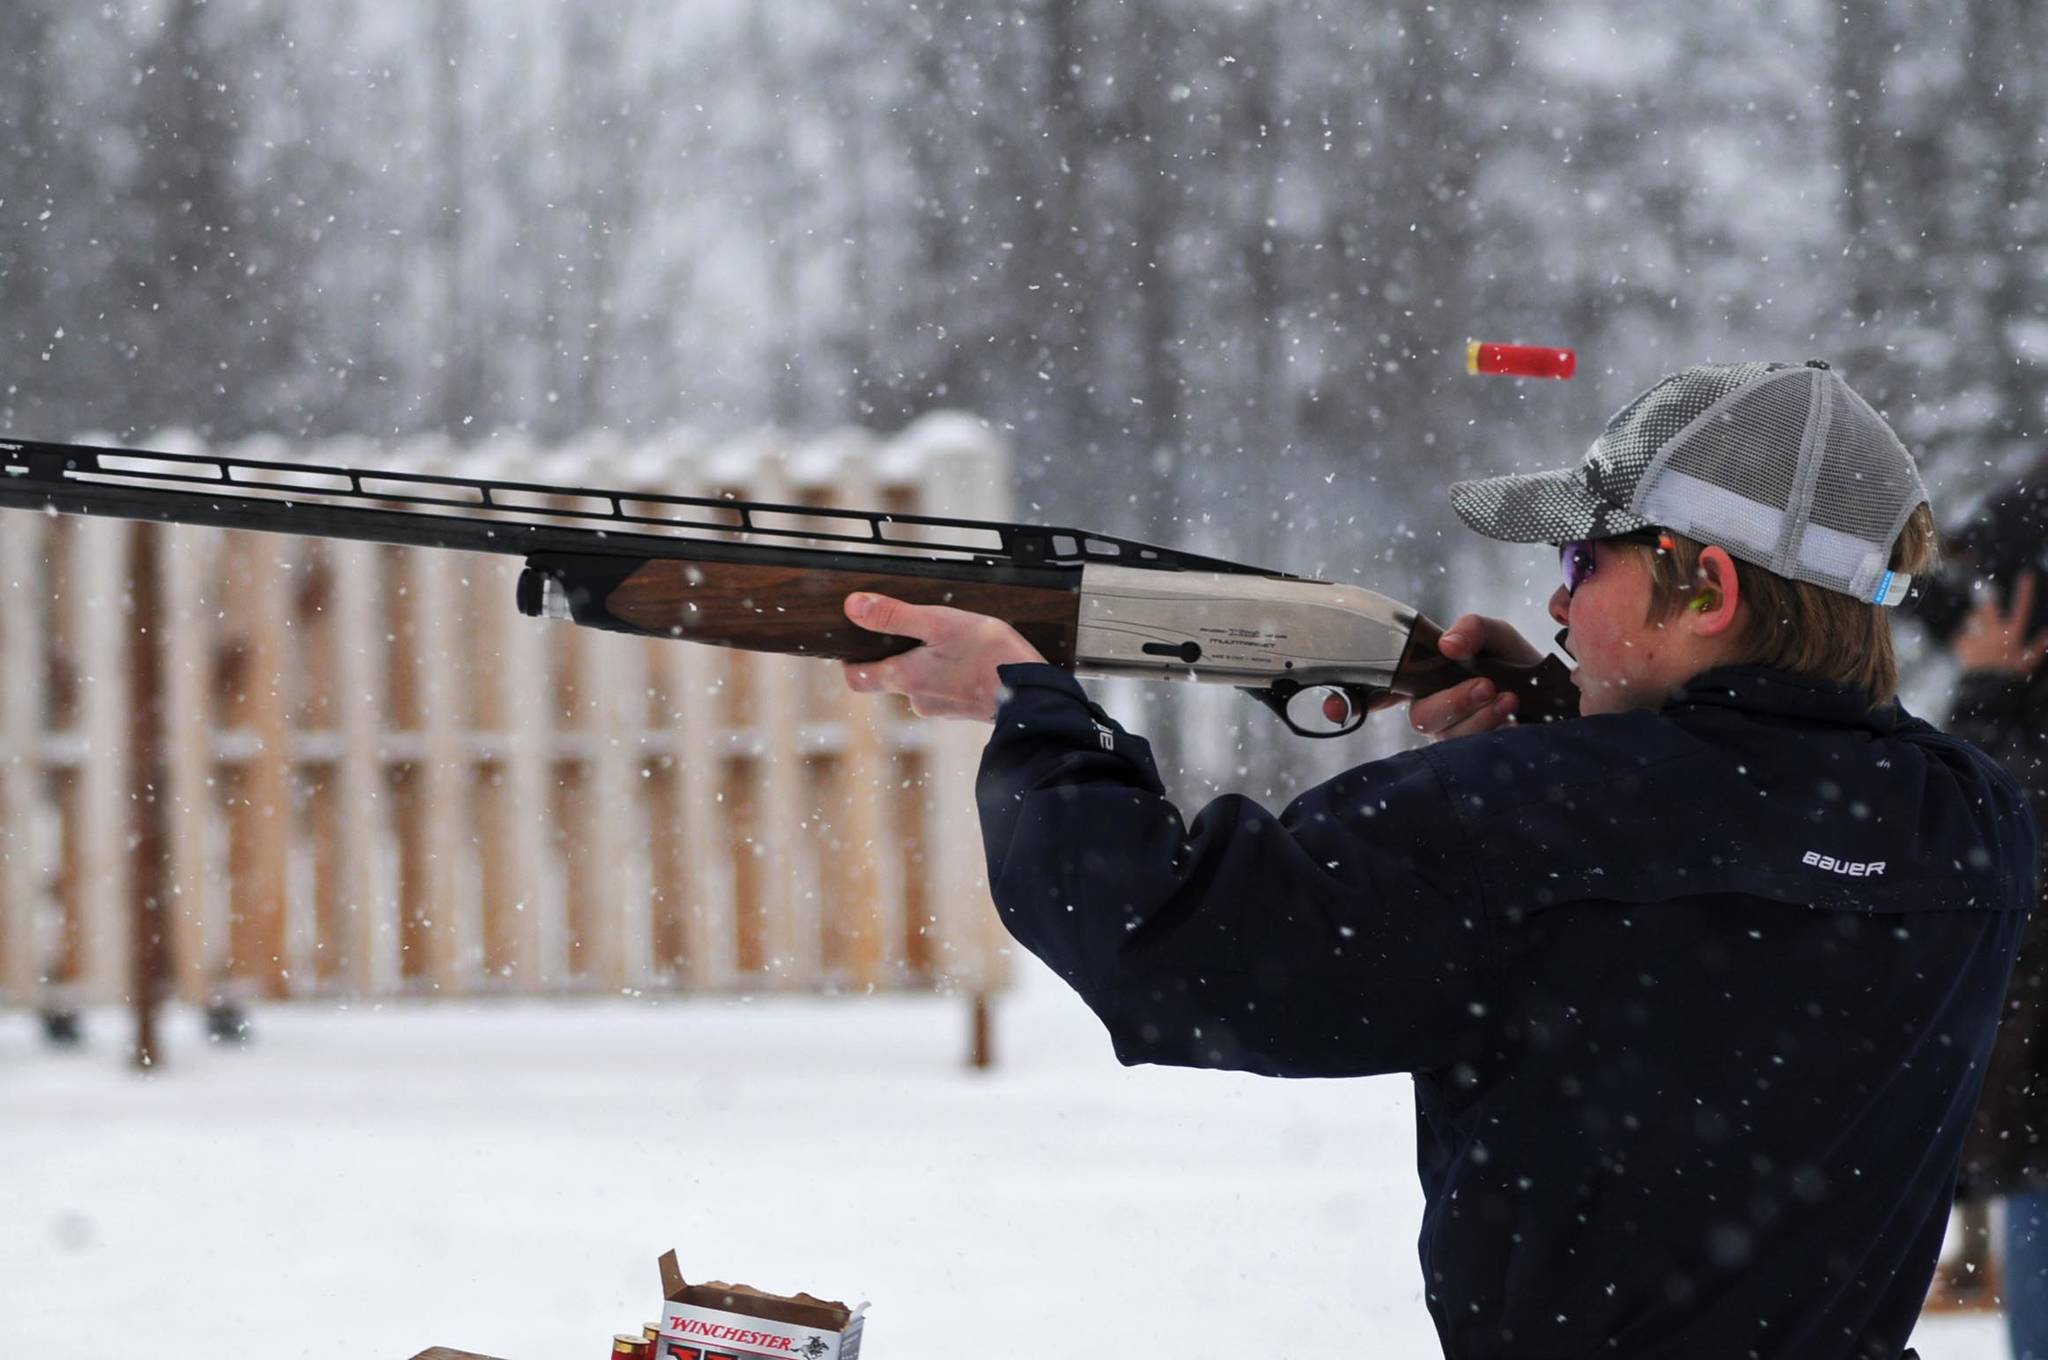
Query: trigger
x,y
1337,708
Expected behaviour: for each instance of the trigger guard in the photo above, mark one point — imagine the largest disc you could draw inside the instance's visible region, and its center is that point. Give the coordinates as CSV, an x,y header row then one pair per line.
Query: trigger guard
x,y
1277,695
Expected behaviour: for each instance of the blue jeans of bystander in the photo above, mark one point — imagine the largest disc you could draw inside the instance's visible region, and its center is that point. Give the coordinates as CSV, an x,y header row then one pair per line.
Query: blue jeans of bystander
x,y
2026,1275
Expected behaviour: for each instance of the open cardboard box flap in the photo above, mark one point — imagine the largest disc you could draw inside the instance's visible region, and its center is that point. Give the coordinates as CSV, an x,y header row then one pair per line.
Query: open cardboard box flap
x,y
800,1310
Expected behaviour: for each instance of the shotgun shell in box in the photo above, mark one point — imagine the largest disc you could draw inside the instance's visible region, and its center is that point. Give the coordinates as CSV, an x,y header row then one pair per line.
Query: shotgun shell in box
x,y
1520,361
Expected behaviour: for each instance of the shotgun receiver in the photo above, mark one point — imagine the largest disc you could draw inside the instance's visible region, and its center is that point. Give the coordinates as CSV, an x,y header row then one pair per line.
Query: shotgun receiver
x,y
773,578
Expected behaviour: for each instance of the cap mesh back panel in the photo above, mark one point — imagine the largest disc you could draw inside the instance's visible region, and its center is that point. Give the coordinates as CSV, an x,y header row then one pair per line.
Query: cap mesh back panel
x,y
1741,448
1863,480
1865,490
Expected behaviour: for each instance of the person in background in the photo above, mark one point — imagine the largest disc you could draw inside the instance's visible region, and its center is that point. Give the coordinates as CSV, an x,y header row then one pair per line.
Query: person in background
x,y
1696,989
1987,604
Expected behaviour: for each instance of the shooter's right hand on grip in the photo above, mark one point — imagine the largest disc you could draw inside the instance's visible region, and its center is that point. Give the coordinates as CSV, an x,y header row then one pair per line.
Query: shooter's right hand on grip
x,y
1476,705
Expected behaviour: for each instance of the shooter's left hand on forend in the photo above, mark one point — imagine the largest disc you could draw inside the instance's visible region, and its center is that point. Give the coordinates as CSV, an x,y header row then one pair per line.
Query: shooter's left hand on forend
x,y
953,674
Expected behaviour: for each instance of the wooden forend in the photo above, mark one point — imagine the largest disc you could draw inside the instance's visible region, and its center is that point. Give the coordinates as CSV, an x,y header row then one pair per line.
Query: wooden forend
x,y
802,611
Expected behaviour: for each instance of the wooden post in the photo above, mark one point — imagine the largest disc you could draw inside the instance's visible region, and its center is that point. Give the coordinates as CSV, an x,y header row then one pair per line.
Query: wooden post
x,y
438,921
99,566
257,782
863,889
618,910
453,941
360,918
22,717
424,783
566,805
188,610
981,1045
967,474
317,748
510,685
910,840
403,718
788,915
692,865
594,797
323,684
149,791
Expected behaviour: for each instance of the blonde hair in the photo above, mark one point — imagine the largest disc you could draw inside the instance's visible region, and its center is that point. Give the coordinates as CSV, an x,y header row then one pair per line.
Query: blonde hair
x,y
1797,626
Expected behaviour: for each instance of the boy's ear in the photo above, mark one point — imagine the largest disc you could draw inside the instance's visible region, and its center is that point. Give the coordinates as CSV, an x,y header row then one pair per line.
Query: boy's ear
x,y
1716,591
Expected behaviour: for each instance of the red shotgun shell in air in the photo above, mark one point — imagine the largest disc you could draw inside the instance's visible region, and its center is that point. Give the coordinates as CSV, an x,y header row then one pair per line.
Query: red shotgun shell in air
x,y
1520,361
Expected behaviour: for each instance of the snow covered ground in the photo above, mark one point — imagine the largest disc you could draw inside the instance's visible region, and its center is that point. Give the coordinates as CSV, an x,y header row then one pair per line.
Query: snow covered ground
x,y
360,1184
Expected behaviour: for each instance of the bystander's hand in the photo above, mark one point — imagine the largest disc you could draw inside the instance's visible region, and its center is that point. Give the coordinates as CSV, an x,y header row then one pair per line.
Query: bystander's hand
x,y
1993,639
1476,705
953,675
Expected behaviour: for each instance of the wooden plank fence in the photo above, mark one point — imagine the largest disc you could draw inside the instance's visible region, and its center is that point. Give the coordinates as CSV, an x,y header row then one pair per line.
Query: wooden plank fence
x,y
381,780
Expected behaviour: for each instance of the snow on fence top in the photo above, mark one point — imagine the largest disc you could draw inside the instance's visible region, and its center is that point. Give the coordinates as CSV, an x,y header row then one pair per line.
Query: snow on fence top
x,y
382,779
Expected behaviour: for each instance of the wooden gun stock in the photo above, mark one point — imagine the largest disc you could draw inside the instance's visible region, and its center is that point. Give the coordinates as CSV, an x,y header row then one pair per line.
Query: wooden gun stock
x,y
1543,691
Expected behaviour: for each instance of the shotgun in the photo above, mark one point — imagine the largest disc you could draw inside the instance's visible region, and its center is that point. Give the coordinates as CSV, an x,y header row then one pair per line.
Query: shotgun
x,y
767,577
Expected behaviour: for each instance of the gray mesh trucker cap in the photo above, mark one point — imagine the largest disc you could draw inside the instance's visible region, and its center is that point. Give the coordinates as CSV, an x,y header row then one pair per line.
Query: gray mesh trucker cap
x,y
1781,464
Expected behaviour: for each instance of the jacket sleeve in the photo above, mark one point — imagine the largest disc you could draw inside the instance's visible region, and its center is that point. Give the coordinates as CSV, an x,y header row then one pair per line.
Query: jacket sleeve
x,y
1342,938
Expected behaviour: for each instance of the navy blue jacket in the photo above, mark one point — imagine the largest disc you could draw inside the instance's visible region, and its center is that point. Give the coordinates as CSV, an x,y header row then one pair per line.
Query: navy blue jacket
x,y
1697,1001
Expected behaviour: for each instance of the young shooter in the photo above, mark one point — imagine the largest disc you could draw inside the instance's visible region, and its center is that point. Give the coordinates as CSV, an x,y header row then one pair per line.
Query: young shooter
x,y
1697,988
